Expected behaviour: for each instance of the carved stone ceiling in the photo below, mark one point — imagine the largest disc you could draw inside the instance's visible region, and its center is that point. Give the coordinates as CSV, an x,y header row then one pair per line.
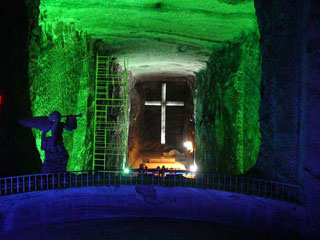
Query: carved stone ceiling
x,y
158,36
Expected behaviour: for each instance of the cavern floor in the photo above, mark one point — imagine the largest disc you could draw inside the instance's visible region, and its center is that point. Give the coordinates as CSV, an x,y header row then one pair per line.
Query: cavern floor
x,y
143,228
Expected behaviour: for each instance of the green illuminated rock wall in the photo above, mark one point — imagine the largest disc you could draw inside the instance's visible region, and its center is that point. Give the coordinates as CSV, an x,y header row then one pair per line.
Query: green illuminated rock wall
x,y
227,105
61,73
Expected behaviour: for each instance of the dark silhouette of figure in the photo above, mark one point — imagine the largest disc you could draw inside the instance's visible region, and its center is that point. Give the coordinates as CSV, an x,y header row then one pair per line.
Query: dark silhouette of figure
x,y
56,155
163,171
141,168
146,169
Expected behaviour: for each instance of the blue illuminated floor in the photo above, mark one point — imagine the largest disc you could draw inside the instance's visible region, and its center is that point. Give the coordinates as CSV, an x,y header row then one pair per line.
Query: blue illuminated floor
x,y
136,228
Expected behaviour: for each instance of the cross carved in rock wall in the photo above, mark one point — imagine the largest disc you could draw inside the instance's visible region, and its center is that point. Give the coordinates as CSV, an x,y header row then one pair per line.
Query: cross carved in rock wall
x,y
164,103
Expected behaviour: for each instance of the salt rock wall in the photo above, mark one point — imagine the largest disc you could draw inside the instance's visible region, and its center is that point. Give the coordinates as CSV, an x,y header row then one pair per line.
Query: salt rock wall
x,y
18,153
61,70
227,103
290,103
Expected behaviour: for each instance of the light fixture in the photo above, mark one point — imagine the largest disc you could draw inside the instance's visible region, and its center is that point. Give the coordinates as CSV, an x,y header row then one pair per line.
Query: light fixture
x,y
126,170
188,145
193,168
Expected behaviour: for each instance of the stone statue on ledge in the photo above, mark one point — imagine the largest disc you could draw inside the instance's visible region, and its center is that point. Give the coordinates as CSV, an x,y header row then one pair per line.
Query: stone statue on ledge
x,y
56,155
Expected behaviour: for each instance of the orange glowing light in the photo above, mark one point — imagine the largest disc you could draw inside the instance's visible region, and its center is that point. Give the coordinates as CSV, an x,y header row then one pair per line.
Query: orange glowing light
x,y
188,145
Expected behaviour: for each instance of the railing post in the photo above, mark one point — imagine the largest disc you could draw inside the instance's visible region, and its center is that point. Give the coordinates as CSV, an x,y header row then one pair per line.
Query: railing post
x,y
104,178
253,185
164,180
18,186
29,183
265,188
196,182
58,180
174,179
52,180
142,179
213,177
137,179
202,176
76,180
70,180
41,182
23,185
35,183
5,187
207,181
248,186
236,184
130,179
11,185
87,179
81,179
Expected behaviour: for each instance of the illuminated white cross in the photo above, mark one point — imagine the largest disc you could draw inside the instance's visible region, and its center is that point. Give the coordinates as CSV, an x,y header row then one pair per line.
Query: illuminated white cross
x,y
163,105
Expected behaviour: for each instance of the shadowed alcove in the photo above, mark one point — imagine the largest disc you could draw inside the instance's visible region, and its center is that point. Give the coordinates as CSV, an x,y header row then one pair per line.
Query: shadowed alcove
x,y
146,137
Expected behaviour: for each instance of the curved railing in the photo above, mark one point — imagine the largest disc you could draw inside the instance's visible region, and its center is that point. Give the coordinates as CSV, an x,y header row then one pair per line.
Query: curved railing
x,y
237,184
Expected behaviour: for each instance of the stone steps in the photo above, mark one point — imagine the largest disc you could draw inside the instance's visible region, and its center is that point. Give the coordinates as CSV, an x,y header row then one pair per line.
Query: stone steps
x,y
174,166
160,160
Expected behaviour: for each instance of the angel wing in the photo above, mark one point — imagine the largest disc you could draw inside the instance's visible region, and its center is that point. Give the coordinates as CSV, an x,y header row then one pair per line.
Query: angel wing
x,y
41,123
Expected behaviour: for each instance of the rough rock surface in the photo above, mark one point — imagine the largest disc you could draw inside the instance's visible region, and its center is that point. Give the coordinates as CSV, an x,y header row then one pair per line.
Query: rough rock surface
x,y
227,103
159,36
289,113
62,76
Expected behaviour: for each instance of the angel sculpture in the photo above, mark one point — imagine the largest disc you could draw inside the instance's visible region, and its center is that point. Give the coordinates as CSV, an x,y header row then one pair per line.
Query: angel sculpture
x,y
56,155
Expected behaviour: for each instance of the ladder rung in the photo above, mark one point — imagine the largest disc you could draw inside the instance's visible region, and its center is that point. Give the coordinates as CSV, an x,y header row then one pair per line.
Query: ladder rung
x,y
99,165
101,160
106,147
109,99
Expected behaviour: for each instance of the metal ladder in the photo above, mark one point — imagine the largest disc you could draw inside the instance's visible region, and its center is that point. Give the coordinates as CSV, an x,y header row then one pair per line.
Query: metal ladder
x,y
111,110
